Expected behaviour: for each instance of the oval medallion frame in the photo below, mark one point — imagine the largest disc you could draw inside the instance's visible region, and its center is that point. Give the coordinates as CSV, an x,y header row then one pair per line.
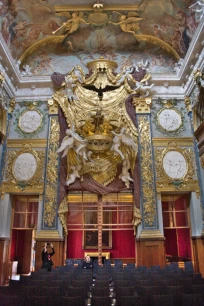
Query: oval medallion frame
x,y
30,121
169,119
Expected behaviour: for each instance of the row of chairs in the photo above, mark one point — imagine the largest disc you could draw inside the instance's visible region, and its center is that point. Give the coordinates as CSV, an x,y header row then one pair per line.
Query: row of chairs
x,y
71,285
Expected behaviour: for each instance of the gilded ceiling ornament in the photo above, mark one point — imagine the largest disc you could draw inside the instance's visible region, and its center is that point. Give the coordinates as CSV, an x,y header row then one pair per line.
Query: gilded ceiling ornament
x,y
101,135
24,168
128,24
98,17
71,25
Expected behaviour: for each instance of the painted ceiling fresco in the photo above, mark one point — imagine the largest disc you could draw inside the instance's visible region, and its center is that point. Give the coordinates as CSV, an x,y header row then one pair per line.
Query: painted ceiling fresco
x,y
124,36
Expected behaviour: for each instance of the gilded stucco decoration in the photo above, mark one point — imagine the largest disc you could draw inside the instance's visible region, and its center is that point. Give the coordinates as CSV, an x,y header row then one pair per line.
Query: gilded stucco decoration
x,y
24,169
168,118
50,199
175,168
62,212
71,20
101,134
12,104
30,121
202,160
2,78
147,172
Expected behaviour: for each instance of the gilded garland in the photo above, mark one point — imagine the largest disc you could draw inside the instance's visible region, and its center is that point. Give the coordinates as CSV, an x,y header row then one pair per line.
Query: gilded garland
x,y
147,173
50,201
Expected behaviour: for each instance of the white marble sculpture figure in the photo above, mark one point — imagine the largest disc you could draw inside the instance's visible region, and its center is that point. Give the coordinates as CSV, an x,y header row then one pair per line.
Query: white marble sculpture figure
x,y
125,175
124,138
26,71
73,140
142,88
74,175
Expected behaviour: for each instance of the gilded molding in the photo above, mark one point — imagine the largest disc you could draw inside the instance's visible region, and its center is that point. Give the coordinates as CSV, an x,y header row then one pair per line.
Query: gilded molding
x,y
109,7
168,117
40,44
158,42
18,143
187,181
45,234
92,198
163,142
17,175
147,173
142,105
50,200
151,234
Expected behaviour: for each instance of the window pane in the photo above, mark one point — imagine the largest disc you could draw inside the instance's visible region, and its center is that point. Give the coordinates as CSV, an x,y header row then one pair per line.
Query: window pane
x,y
180,204
168,220
181,219
19,220
125,217
74,217
33,207
20,206
165,206
32,219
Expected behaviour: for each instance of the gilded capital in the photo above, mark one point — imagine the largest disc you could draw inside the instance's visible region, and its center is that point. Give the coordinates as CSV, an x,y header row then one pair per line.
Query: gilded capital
x,y
142,105
12,104
187,101
52,107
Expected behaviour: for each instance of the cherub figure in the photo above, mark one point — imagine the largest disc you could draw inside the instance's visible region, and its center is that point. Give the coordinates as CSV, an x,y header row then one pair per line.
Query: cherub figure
x,y
73,141
72,24
122,138
26,71
142,88
74,175
128,24
125,175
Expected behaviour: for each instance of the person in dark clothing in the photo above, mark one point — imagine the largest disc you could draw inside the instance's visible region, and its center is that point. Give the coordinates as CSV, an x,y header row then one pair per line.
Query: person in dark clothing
x,y
46,257
87,263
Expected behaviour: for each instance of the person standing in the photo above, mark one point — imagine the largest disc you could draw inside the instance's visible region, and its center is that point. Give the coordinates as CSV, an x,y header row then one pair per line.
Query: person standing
x,y
46,257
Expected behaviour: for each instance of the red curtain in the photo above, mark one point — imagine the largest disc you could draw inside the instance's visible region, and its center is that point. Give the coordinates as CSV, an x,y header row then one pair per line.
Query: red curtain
x,y
171,242
123,245
184,242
